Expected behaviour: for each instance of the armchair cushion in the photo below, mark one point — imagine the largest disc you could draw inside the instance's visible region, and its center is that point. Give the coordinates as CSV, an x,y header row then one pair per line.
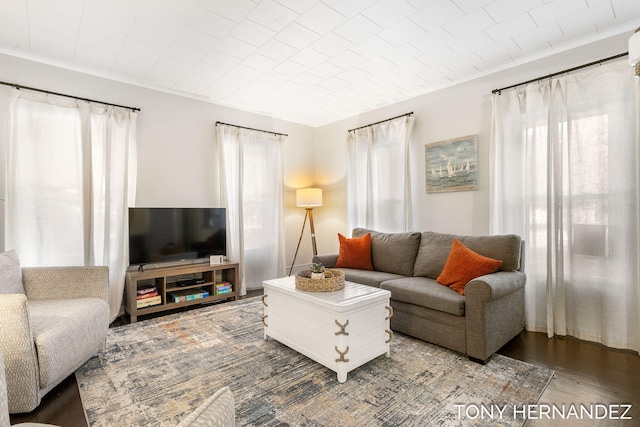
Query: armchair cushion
x,y
67,333
10,274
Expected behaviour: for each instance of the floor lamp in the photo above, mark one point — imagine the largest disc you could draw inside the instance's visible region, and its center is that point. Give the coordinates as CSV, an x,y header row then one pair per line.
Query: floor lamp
x,y
307,198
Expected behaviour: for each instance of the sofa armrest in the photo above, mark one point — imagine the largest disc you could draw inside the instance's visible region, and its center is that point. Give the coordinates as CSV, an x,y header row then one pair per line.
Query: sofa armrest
x,y
495,285
328,260
494,312
47,283
19,354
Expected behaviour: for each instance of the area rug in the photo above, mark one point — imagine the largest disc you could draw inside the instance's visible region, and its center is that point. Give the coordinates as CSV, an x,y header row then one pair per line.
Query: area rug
x,y
155,372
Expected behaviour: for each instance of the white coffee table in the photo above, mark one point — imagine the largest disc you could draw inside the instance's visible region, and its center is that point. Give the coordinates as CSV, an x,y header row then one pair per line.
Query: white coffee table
x,y
341,330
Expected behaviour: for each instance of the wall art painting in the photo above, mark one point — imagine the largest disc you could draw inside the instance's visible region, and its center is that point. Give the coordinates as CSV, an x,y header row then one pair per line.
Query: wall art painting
x,y
452,165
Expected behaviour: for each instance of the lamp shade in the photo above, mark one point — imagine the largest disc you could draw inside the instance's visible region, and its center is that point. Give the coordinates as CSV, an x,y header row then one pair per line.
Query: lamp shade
x,y
634,51
309,197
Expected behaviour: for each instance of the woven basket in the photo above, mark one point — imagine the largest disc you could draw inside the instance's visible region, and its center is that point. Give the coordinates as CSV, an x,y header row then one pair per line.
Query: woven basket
x,y
333,281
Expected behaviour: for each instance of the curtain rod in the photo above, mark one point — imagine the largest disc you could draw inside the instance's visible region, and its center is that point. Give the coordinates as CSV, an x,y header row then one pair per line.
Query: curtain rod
x,y
381,121
17,86
579,67
258,130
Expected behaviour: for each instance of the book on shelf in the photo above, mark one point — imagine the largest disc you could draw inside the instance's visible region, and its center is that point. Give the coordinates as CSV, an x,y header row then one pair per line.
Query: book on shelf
x,y
187,295
224,288
146,290
147,295
148,302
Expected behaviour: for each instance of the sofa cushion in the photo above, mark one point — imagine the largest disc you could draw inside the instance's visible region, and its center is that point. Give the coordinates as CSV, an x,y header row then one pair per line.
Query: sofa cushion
x,y
67,333
435,247
371,278
464,265
427,293
355,252
10,273
392,252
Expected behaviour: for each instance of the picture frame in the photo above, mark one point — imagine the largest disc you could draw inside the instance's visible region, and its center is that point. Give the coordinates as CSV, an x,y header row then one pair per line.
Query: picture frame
x,y
452,165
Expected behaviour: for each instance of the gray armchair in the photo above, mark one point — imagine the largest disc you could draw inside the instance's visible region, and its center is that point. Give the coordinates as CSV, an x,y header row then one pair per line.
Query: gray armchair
x,y
59,321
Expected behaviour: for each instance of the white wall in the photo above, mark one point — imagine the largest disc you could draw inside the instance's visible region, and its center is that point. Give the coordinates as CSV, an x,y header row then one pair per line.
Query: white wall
x,y
175,138
461,110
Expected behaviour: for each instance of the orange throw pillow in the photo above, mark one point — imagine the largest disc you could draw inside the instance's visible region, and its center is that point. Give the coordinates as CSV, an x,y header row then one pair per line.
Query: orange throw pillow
x,y
464,265
355,252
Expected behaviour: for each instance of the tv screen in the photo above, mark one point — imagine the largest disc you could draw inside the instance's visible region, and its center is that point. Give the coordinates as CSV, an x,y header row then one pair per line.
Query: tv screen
x,y
159,235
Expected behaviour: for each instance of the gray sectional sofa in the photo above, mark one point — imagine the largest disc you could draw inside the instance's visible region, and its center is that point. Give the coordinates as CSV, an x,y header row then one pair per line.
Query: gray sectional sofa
x,y
490,313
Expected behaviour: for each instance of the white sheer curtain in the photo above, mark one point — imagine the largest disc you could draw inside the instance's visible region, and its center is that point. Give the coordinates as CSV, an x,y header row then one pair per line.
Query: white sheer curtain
x,y
565,178
251,177
71,171
378,176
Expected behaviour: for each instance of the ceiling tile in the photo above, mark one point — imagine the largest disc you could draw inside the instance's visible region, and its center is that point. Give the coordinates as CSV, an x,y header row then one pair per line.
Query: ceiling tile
x,y
259,62
52,22
625,9
104,26
162,19
150,35
372,47
309,57
402,54
120,11
275,78
347,59
272,15
349,8
511,27
432,40
299,6
333,84
401,32
210,23
99,42
132,66
89,56
587,21
471,44
538,37
325,70
235,10
551,12
321,19
469,24
234,47
331,44
221,60
499,53
357,29
160,76
297,36
501,10
376,64
290,68
199,78
388,12
196,39
437,14
468,6
353,75
71,9
184,53
252,33
141,50
183,7
277,51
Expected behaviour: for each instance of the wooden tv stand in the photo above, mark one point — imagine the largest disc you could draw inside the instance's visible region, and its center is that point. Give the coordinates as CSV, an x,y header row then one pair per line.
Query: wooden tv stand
x,y
166,281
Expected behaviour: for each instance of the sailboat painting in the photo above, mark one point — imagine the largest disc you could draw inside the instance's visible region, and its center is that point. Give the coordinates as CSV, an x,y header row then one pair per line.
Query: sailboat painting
x,y
452,165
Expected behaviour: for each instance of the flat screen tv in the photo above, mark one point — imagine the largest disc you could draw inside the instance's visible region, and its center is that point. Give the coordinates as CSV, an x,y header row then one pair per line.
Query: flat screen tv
x,y
164,235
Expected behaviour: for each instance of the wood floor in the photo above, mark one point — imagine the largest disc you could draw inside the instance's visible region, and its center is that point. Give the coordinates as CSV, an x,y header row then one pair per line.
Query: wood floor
x,y
586,373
